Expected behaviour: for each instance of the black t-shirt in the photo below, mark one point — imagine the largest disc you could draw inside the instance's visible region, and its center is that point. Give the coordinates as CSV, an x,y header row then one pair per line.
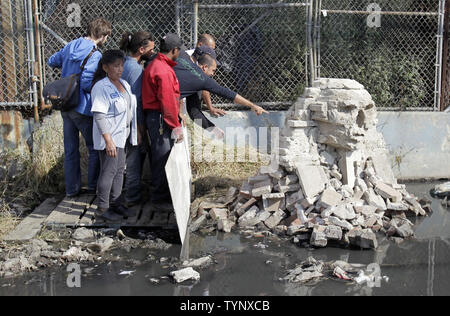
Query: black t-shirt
x,y
192,79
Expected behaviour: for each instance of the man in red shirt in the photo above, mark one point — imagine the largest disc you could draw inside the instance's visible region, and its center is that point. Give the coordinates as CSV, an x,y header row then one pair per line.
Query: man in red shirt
x,y
161,103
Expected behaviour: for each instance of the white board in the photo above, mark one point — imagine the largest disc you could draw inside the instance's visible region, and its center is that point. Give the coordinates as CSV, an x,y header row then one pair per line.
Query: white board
x,y
179,177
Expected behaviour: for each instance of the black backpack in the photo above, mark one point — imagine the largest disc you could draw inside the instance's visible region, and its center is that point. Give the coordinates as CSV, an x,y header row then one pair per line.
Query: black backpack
x,y
64,94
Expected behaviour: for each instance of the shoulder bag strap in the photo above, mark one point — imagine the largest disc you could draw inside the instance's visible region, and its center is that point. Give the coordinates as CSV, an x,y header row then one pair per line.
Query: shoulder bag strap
x,y
86,59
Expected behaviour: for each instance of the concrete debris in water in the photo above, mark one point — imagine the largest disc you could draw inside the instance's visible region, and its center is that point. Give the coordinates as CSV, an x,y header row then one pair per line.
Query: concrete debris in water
x,y
184,275
333,180
199,263
313,270
442,191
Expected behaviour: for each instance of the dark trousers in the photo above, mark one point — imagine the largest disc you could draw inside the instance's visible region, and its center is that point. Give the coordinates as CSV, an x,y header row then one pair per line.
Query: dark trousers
x,y
110,181
194,109
160,148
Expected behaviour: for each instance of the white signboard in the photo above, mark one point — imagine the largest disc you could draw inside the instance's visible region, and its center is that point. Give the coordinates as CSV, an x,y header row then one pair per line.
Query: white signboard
x,y
179,177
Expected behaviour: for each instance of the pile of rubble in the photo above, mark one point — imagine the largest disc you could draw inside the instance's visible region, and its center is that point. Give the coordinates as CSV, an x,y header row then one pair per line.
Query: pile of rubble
x,y
312,269
331,182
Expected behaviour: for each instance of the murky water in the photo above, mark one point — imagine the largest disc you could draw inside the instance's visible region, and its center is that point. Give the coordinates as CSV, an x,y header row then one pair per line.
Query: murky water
x,y
415,267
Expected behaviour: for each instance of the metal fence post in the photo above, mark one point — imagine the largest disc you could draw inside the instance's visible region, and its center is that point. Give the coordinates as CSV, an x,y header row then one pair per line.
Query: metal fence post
x,y
38,57
31,58
444,79
177,17
310,55
195,22
440,37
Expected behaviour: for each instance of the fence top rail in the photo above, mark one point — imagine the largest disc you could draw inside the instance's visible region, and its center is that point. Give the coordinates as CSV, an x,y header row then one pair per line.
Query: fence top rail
x,y
250,6
325,11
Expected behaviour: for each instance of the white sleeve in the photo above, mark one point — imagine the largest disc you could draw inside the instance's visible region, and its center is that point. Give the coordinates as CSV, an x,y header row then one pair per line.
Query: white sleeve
x,y
100,100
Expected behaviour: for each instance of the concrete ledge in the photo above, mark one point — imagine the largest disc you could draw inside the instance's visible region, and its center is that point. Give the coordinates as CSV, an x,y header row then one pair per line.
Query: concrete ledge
x,y
419,142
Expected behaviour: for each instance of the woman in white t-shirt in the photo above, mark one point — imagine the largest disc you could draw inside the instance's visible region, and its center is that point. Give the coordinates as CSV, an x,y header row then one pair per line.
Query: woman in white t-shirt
x,y
114,109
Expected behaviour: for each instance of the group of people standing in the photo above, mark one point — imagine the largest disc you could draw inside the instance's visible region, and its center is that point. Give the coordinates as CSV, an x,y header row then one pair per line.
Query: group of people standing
x,y
130,97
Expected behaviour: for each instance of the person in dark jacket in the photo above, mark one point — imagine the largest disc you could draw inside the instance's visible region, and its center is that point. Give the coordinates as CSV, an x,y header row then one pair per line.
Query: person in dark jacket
x,y
139,47
195,78
69,59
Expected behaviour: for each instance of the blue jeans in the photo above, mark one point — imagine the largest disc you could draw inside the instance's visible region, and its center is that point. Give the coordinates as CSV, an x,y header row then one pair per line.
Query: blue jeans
x,y
74,123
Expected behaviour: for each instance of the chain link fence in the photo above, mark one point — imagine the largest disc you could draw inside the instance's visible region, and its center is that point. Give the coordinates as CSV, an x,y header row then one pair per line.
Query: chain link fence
x,y
14,56
69,19
265,47
261,47
392,53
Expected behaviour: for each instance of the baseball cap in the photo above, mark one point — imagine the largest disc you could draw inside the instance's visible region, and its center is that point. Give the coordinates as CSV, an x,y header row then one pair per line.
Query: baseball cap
x,y
170,41
207,50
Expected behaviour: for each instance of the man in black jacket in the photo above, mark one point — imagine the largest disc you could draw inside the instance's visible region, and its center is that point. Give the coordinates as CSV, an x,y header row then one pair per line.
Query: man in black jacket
x,y
195,78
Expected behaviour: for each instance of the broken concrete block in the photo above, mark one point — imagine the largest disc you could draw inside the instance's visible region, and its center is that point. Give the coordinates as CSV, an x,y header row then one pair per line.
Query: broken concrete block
x,y
185,274
416,206
225,225
195,225
277,174
217,213
199,263
383,168
249,218
366,210
341,223
246,190
301,214
329,198
333,232
263,215
344,212
295,229
405,230
231,195
275,219
318,239
327,212
260,191
365,238
272,202
311,179
347,167
243,208
371,221
400,206
288,188
388,192
358,221
292,199
375,200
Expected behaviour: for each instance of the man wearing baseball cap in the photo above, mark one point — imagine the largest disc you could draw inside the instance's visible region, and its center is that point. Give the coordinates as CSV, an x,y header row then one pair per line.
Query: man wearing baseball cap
x,y
160,101
195,78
